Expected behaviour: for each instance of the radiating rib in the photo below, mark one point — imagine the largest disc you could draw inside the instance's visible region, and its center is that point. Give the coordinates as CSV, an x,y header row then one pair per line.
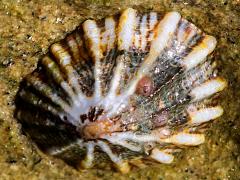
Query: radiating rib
x,y
179,139
92,36
126,29
143,32
47,92
208,88
132,136
121,165
205,114
73,47
122,142
34,100
185,139
109,35
89,158
63,58
161,156
52,68
109,152
55,151
200,52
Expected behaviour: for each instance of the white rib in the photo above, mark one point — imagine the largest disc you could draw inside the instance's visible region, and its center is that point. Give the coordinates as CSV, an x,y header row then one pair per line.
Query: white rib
x,y
152,23
165,30
126,29
92,33
143,31
208,88
153,20
123,143
109,35
185,139
137,36
67,89
88,161
46,61
117,77
161,156
111,99
64,59
206,114
132,136
42,87
122,166
109,152
72,43
56,151
199,53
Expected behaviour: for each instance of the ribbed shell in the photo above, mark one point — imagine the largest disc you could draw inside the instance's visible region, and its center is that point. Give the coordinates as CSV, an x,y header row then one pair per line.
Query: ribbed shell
x,y
130,86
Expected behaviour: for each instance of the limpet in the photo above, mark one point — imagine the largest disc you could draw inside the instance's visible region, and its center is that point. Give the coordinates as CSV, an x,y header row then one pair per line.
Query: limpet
x,y
130,86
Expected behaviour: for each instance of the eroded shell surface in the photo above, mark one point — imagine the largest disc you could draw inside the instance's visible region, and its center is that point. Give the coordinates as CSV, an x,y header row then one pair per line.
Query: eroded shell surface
x,y
129,86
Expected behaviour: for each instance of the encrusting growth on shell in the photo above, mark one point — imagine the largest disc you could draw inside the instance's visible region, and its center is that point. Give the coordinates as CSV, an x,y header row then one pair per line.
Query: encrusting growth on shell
x,y
129,86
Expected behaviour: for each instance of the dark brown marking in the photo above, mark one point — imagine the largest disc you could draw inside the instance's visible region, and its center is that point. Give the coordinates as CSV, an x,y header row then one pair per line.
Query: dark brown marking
x,y
145,86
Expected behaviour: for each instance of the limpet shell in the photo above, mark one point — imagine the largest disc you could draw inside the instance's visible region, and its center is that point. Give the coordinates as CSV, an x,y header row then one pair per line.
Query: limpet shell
x,y
129,86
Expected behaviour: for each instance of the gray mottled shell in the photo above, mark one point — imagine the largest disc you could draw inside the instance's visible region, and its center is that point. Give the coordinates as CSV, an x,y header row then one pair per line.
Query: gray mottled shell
x,y
129,86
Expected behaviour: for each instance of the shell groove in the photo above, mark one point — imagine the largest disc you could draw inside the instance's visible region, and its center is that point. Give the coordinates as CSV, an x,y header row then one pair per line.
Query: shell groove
x,y
129,86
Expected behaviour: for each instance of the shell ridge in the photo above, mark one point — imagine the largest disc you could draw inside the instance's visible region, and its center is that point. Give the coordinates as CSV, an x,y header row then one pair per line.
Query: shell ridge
x,y
64,59
46,91
53,72
92,36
